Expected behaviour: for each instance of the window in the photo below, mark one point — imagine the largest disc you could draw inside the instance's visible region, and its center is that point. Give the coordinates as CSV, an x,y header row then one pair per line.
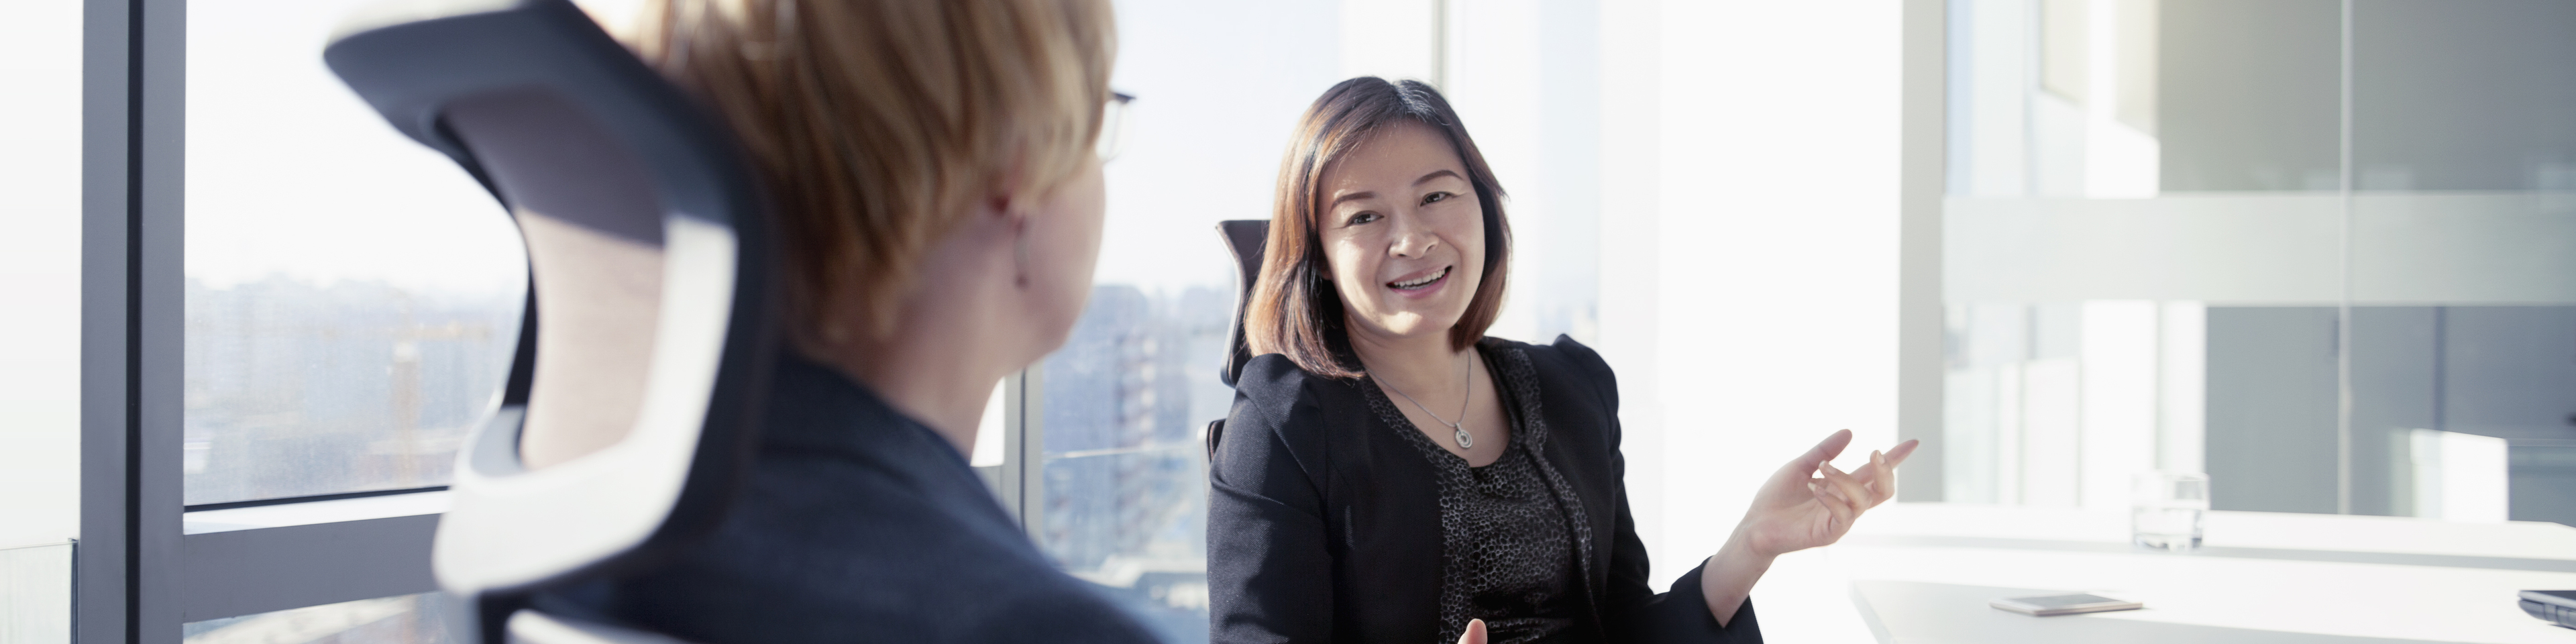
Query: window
x,y
352,297
2321,255
1124,469
280,299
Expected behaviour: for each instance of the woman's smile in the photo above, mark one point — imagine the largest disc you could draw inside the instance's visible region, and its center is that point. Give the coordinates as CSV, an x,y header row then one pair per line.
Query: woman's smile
x,y
1421,284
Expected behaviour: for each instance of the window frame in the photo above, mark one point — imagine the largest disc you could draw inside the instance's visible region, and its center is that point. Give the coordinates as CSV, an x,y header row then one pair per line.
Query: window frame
x,y
145,563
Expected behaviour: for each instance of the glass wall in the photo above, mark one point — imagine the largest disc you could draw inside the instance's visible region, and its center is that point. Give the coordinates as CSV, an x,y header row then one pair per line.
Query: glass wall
x,y
352,296
2463,274
2318,249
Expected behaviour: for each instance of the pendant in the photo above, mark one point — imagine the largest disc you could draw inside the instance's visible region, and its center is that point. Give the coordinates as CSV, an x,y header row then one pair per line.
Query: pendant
x,y
1465,440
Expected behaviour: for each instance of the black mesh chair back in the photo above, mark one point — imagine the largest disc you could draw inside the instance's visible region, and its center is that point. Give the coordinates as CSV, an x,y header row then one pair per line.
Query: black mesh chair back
x,y
1244,238
651,321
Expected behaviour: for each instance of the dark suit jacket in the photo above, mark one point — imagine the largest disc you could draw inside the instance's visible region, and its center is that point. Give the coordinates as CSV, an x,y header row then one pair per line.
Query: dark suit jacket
x,y
1324,525
859,524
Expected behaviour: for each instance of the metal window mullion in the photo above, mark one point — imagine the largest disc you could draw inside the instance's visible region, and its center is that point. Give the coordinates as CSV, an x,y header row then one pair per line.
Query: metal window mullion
x,y
2343,259
100,564
132,308
1922,332
1024,447
161,282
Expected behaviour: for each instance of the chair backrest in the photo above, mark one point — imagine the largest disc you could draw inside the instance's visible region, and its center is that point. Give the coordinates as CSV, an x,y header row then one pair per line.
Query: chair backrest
x,y
651,324
1245,238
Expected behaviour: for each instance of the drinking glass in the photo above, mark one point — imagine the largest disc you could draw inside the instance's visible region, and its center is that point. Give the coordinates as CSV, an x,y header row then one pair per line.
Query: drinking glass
x,y
2165,509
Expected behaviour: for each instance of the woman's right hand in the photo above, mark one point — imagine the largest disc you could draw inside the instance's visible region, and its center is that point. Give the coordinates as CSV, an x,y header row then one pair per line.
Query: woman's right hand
x,y
1809,503
1805,504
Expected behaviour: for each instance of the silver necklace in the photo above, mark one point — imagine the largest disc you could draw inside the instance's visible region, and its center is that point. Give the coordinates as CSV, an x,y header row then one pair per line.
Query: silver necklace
x,y
1465,440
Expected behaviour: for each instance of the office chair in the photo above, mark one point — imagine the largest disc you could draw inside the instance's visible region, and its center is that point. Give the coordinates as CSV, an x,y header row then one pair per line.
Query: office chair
x,y
651,315
1244,237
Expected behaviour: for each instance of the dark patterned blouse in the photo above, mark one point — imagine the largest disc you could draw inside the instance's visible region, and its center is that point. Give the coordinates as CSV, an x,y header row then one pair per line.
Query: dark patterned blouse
x,y
1511,540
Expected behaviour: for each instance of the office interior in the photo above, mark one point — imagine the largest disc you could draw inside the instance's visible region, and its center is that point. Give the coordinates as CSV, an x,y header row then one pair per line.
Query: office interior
x,y
2323,251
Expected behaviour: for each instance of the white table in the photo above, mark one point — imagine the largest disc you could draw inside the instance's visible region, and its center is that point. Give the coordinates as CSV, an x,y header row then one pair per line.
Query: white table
x,y
1923,573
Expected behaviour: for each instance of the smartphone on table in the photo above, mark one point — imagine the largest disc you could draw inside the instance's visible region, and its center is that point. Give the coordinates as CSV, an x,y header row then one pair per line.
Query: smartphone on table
x,y
2064,604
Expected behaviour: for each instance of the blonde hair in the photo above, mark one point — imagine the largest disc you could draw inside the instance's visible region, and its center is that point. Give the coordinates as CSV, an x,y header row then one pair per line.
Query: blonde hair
x,y
877,124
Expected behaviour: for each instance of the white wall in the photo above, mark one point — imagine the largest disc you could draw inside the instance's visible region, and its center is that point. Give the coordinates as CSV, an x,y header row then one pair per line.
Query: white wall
x,y
1777,241
1772,283
40,152
1631,269
1391,39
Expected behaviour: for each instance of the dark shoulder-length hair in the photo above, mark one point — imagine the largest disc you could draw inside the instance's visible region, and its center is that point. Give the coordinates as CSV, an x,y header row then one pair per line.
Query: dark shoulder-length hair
x,y
1295,309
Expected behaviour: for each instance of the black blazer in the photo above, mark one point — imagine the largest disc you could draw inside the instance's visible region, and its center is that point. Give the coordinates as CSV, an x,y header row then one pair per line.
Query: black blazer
x,y
1323,524
856,524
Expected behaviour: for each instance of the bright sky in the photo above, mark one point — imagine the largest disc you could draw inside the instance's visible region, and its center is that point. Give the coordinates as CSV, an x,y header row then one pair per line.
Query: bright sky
x,y
1219,85
289,173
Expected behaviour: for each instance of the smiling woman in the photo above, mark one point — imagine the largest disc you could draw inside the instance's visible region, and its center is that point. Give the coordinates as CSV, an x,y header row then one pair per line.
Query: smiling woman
x,y
1337,514
1295,305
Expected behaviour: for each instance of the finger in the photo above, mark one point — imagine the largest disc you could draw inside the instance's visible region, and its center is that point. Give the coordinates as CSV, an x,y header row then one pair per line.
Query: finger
x,y
1869,475
1824,451
1842,491
1825,492
1897,455
1850,486
1882,482
1894,457
1843,511
1475,632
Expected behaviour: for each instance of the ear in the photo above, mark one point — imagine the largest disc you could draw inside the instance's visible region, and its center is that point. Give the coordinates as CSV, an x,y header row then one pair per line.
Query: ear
x,y
1010,191
1002,209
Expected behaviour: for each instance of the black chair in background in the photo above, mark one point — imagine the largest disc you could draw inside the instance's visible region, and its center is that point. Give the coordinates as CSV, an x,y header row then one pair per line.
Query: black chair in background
x,y
651,315
1245,238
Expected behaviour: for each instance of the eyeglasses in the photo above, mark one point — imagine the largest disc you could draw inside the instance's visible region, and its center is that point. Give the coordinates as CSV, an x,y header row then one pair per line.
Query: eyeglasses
x,y
1113,126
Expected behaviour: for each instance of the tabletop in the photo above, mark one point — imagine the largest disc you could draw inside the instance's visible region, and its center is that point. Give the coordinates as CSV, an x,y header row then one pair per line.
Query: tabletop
x,y
1925,572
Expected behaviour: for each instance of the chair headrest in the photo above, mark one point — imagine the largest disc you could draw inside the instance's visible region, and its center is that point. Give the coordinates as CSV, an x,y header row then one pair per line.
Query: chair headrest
x,y
1245,238
652,314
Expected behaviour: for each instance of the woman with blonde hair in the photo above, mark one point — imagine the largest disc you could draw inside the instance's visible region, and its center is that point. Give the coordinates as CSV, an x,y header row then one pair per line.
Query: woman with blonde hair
x,y
1391,474
934,170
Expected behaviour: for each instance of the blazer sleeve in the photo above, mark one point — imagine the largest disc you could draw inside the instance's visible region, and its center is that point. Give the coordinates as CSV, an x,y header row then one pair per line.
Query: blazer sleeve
x,y
1633,610
1269,573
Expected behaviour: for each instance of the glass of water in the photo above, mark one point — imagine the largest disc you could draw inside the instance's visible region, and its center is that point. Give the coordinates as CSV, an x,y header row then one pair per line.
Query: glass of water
x,y
2165,509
